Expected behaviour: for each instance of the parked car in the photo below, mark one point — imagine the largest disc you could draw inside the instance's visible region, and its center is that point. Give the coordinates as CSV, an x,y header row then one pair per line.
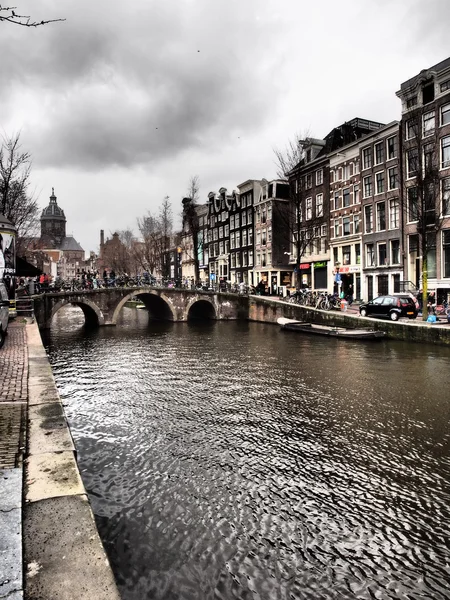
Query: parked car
x,y
4,312
393,307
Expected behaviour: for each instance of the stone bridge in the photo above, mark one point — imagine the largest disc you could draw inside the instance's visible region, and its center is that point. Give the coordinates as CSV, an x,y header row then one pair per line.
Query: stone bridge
x,y
102,306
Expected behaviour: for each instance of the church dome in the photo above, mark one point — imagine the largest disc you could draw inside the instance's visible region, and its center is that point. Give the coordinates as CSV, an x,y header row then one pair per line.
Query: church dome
x,y
53,211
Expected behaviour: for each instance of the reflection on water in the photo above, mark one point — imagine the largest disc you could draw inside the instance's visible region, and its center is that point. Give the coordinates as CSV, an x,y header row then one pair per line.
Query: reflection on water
x,y
234,460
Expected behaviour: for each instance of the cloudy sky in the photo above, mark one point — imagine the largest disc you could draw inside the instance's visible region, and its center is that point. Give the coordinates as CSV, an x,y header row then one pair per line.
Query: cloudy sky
x,y
123,102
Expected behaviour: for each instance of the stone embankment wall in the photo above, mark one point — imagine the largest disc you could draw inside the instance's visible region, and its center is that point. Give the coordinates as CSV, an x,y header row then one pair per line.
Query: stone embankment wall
x,y
268,311
63,553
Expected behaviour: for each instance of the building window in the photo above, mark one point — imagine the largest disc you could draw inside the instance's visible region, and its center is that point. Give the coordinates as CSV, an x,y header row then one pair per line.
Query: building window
x,y
236,220
319,205
367,158
410,129
233,260
263,238
244,218
395,252
323,230
308,209
391,147
250,237
346,255
308,181
358,254
413,162
336,228
238,239
258,237
379,182
445,114
446,251
412,204
244,237
429,123
269,234
393,178
238,259
356,194
381,216
250,258
428,92
446,196
394,213
382,256
269,212
220,232
336,200
269,257
319,177
249,216
346,197
368,218
367,186
346,225
379,153
258,215
445,152
232,240
445,85
221,247
245,259
356,223
411,102
370,256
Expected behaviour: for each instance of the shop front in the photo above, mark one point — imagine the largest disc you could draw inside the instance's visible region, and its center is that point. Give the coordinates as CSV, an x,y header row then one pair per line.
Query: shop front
x,y
347,279
321,275
305,275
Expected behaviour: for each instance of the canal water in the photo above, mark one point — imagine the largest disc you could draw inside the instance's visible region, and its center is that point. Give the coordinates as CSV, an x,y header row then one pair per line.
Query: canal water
x,y
232,460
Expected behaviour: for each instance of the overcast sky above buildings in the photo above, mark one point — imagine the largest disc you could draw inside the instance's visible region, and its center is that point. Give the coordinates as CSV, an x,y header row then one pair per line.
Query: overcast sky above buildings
x,y
124,101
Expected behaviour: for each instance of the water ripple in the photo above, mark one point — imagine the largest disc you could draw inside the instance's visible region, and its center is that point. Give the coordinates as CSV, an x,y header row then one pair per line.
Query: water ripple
x,y
234,461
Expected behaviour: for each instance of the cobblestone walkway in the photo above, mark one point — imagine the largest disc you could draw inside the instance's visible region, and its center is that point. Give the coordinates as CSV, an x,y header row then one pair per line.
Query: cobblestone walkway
x,y
13,394
14,365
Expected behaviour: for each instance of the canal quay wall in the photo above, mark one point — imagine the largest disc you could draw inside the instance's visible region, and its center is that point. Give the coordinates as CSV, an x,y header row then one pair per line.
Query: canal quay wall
x,y
56,541
268,310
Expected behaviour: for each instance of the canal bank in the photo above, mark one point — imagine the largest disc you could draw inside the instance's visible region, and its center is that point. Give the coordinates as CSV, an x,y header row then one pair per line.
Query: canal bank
x,y
268,310
52,549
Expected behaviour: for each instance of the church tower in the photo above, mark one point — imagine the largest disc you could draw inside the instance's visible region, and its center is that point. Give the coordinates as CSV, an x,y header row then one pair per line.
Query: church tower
x,y
53,223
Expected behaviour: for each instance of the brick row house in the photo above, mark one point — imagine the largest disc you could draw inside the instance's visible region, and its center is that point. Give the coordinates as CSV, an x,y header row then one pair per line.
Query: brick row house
x,y
425,130
360,210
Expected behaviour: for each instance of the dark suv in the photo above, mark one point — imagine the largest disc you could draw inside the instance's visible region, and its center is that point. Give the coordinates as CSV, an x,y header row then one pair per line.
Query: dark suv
x,y
393,307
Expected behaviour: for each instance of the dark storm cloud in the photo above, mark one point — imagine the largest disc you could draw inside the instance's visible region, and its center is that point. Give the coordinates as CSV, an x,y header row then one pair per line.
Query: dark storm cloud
x,y
137,83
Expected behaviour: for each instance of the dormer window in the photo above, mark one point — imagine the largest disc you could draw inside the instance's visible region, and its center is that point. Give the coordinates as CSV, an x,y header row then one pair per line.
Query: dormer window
x,y
411,102
428,92
308,155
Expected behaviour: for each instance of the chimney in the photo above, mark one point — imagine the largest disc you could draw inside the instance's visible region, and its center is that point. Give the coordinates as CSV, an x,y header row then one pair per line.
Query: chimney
x,y
102,237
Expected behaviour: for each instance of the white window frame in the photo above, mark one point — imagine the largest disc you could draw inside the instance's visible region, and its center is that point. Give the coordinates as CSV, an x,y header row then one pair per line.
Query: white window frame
x,y
378,144
376,213
445,109
308,208
364,186
429,129
370,155
394,202
377,191
446,164
392,137
319,205
319,177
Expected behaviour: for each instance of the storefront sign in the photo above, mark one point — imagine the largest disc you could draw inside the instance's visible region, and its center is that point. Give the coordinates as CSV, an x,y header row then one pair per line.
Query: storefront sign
x,y
320,265
349,269
305,265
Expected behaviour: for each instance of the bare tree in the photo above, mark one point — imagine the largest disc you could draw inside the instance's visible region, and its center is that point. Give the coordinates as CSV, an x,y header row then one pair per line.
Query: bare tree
x,y
156,232
301,221
16,203
423,191
191,225
8,14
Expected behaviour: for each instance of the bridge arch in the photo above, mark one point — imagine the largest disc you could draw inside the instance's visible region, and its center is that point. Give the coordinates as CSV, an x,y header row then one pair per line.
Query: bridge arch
x,y
157,304
200,308
93,316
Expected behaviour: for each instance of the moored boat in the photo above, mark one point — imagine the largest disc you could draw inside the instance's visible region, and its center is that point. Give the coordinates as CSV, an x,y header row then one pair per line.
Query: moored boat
x,y
327,330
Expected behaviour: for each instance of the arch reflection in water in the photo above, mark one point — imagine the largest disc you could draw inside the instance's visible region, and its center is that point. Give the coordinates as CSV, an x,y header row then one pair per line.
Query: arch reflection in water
x,y
260,469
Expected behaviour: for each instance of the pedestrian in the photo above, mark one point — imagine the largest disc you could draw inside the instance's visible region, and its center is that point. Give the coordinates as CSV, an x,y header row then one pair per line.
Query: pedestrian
x,y
350,295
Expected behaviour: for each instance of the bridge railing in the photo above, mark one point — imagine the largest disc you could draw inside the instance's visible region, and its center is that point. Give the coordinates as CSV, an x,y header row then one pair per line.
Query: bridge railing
x,y
120,282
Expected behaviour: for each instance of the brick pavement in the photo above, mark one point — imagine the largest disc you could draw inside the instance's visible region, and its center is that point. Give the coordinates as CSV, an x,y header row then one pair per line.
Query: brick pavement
x,y
14,365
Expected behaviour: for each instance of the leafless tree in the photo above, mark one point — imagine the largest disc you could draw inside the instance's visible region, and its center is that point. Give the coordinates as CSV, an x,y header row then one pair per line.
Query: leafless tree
x,y
423,190
16,202
300,222
156,232
191,225
9,14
